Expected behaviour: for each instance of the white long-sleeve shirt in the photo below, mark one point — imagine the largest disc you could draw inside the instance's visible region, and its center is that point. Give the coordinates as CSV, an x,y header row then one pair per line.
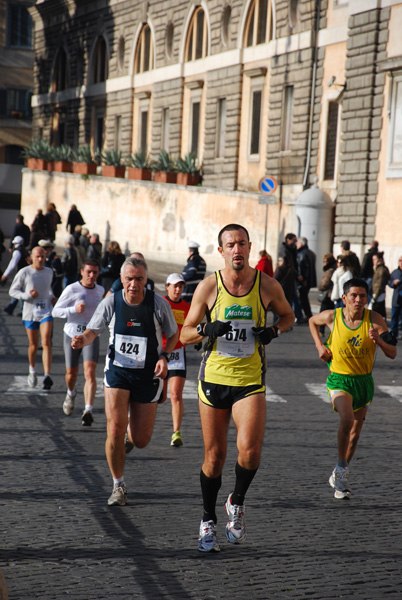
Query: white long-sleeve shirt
x,y
15,258
65,307
27,279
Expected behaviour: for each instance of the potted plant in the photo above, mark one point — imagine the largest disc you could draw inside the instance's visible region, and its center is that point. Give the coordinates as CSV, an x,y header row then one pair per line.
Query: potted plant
x,y
113,164
139,166
62,159
187,171
83,161
37,154
164,168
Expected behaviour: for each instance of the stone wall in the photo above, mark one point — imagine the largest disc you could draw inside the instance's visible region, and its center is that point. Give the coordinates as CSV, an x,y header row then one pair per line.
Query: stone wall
x,y
361,127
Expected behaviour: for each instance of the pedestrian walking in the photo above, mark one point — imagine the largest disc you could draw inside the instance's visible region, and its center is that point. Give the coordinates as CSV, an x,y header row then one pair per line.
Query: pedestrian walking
x,y
232,374
112,260
135,365
340,276
355,334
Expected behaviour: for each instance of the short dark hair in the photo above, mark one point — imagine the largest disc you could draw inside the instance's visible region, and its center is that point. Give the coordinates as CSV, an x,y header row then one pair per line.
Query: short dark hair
x,y
355,282
91,262
345,245
231,227
290,236
379,254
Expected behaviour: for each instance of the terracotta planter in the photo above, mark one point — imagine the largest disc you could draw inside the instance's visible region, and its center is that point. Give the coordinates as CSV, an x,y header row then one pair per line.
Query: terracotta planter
x,y
49,166
110,171
62,166
84,168
139,174
165,177
188,178
37,164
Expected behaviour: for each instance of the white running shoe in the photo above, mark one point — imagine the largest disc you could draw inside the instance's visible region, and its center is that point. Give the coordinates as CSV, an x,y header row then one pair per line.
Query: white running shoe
x,y
32,380
119,495
207,537
236,526
339,481
68,404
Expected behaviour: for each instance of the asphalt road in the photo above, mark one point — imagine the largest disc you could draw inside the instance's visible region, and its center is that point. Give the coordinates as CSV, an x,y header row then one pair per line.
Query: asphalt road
x,y
61,540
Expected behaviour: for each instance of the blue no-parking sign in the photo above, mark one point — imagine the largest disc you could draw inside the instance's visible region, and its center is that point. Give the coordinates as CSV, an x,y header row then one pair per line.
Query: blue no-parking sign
x,y
268,185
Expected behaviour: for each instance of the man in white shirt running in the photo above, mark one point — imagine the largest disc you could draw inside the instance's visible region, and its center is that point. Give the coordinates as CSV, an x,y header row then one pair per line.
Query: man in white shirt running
x,y
33,285
77,304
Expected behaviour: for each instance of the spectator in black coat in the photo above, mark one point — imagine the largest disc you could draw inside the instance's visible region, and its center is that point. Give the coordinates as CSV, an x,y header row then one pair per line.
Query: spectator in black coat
x,y
20,229
74,218
112,260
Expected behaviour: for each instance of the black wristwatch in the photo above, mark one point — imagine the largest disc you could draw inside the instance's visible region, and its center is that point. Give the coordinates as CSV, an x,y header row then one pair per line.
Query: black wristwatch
x,y
165,354
200,329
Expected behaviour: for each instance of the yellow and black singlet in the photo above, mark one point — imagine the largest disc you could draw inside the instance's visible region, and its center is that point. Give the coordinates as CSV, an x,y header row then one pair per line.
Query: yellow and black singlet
x,y
352,350
236,359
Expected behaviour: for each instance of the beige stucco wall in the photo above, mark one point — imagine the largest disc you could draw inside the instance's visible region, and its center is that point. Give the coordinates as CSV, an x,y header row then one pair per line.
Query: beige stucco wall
x,y
389,208
156,219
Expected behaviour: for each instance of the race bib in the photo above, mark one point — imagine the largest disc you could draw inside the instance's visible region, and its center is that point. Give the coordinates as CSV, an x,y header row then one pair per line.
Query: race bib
x,y
238,343
176,360
73,329
130,351
40,310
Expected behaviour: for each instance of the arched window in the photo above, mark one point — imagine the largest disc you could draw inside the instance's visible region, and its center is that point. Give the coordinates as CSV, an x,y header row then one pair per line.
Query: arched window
x,y
100,63
144,58
197,36
60,74
259,24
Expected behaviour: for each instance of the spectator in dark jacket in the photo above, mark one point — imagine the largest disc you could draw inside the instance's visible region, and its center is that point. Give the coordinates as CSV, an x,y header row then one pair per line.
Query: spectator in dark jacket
x,y
395,282
74,218
285,275
289,250
326,284
53,262
354,262
380,280
69,262
367,266
94,250
84,238
52,220
20,229
193,272
306,275
112,260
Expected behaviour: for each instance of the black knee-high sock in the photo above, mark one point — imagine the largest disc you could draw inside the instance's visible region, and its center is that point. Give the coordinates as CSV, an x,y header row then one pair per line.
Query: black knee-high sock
x,y
243,479
210,487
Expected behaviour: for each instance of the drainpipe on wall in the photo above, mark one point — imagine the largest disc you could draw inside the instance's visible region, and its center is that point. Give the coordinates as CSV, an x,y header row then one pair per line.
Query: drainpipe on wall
x,y
312,93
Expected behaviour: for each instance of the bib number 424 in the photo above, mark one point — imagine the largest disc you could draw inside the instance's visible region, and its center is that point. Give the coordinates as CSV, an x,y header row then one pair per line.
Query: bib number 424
x,y
129,348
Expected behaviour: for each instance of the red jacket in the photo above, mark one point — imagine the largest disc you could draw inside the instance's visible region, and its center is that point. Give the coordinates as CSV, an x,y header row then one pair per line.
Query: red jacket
x,y
265,265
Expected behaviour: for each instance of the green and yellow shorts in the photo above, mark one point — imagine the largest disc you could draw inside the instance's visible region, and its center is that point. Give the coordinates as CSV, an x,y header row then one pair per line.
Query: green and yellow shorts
x,y
360,387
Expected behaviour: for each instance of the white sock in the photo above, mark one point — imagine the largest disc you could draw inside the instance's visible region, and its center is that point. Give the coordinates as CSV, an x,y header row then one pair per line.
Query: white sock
x,y
118,481
88,408
32,369
71,393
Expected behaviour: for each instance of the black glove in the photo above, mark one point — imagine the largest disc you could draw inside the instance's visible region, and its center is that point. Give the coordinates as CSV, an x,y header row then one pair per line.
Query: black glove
x,y
217,328
198,346
265,335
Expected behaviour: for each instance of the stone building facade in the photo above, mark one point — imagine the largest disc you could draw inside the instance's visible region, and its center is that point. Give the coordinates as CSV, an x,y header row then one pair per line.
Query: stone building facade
x,y
296,89
16,82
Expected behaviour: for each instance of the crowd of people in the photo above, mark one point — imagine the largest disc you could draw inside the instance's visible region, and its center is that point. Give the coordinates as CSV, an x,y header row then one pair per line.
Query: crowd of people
x,y
94,290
